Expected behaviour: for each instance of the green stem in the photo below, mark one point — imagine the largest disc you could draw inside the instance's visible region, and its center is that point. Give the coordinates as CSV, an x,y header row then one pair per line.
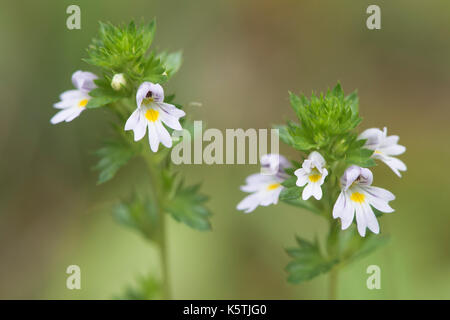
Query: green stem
x,y
164,261
161,239
333,285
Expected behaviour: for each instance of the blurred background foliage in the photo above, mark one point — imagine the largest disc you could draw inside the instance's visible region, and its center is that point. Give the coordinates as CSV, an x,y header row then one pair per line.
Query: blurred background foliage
x,y
240,60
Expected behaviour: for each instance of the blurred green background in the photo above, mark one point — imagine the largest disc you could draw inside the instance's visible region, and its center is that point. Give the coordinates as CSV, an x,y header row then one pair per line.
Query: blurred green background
x,y
240,60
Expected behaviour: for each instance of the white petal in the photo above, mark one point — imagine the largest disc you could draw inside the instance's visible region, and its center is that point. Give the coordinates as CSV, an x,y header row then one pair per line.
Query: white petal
x,y
307,165
302,177
379,198
257,182
170,121
393,150
249,203
62,115
133,120
140,128
380,193
395,164
171,109
372,222
343,209
276,162
64,104
84,80
76,112
153,137
307,191
163,135
373,136
349,176
316,191
365,177
317,159
156,90
324,175
360,220
72,95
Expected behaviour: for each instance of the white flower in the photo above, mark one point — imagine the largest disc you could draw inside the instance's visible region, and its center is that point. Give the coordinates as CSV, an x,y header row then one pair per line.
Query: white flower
x,y
118,81
73,102
151,112
357,195
313,174
384,148
264,188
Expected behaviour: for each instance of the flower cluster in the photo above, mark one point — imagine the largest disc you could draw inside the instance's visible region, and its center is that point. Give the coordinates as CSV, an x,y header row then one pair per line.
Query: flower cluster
x,y
356,196
150,113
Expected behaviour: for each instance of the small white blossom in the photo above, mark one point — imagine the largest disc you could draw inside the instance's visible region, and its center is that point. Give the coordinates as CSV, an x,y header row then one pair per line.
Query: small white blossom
x,y
151,113
118,81
73,102
312,174
357,196
385,147
264,188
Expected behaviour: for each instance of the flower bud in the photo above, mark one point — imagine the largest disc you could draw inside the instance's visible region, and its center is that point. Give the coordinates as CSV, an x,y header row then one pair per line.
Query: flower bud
x,y
118,81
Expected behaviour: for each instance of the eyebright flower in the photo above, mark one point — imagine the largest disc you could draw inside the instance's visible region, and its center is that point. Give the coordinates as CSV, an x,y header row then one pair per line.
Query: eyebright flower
x,y
384,148
264,188
118,81
73,102
312,173
357,195
151,112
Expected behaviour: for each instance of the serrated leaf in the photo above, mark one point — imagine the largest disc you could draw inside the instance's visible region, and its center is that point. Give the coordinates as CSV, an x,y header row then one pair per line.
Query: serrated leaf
x,y
307,262
140,213
112,157
187,206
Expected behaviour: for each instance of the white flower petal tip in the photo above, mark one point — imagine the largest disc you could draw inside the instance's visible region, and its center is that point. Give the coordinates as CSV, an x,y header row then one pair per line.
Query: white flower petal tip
x,y
151,114
73,102
384,148
357,198
312,174
265,188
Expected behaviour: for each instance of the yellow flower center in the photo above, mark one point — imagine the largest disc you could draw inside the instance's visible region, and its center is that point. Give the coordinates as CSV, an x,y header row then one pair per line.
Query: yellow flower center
x,y
314,177
273,186
83,103
357,197
152,115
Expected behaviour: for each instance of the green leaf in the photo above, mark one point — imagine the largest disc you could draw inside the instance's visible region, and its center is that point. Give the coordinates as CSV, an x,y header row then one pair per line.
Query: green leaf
x,y
187,206
307,262
105,94
368,245
147,288
291,193
171,62
113,156
360,157
154,70
139,213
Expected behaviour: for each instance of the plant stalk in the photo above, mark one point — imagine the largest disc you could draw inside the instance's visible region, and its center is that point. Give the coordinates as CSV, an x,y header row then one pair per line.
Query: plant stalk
x,y
333,284
161,240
